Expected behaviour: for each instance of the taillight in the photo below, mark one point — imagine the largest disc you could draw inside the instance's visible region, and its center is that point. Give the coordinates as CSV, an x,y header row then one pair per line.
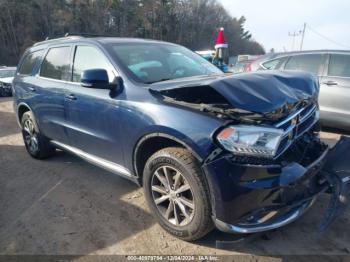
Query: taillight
x,y
248,67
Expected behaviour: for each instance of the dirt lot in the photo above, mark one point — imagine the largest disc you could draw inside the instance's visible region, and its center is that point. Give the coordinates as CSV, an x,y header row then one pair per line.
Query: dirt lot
x,y
64,205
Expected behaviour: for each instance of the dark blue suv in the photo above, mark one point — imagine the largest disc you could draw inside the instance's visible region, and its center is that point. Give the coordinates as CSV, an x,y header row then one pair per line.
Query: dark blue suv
x,y
239,152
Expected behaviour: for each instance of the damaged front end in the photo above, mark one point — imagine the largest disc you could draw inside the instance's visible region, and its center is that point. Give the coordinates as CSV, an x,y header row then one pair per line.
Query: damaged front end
x,y
256,195
254,189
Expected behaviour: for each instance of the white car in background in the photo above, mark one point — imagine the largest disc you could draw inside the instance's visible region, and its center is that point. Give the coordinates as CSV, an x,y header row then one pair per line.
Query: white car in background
x,y
332,67
6,78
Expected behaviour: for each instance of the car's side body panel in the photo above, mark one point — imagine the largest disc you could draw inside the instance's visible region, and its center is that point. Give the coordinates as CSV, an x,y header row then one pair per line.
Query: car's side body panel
x,y
140,119
111,127
334,96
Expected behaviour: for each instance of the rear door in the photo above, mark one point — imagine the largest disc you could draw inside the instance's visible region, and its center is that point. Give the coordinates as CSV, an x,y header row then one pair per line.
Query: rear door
x,y
49,88
93,116
335,91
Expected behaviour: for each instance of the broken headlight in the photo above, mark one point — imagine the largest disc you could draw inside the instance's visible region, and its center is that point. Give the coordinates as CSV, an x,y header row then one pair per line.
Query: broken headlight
x,y
251,140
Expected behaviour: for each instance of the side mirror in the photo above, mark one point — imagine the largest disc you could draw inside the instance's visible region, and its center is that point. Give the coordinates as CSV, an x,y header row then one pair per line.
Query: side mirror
x,y
95,78
117,86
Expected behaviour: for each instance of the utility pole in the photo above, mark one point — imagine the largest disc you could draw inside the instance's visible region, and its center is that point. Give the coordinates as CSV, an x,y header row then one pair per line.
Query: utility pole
x,y
294,34
302,37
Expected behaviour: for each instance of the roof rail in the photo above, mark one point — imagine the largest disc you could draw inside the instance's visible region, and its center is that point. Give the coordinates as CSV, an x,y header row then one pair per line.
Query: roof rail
x,y
86,35
70,36
47,40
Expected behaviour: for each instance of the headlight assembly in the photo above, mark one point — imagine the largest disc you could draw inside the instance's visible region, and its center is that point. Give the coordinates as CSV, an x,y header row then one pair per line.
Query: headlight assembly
x,y
251,140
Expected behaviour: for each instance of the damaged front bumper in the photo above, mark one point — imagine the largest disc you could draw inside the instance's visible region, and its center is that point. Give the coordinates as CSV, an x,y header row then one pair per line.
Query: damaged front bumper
x,y
261,225
255,198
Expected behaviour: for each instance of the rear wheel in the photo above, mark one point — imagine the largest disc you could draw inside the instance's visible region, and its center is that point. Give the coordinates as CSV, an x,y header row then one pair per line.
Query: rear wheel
x,y
37,145
177,193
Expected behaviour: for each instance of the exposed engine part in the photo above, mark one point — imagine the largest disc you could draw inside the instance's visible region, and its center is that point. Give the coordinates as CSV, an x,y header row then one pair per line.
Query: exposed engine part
x,y
305,150
220,110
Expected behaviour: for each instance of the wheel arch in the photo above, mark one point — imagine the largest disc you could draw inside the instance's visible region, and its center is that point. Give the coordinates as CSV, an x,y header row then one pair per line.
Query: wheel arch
x,y
151,143
21,109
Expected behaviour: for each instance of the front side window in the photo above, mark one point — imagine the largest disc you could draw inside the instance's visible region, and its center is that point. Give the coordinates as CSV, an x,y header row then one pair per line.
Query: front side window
x,y
339,65
273,64
87,57
56,64
29,62
309,63
150,63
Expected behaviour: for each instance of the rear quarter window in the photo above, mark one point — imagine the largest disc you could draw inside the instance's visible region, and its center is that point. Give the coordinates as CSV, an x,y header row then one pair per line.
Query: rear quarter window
x,y
339,65
29,62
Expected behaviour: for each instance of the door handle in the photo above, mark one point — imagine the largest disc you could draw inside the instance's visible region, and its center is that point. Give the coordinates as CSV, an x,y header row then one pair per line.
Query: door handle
x,y
31,88
330,83
71,97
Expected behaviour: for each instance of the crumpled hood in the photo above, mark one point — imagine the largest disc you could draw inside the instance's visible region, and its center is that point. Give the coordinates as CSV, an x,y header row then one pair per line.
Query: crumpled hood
x,y
267,91
7,80
259,92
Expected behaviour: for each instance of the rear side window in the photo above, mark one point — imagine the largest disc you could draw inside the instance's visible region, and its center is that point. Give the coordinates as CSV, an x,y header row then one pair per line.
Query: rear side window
x,y
87,57
309,63
29,62
56,64
339,65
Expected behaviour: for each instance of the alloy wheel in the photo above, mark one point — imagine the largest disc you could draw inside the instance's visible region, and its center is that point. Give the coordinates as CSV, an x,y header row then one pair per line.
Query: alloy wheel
x,y
30,136
173,196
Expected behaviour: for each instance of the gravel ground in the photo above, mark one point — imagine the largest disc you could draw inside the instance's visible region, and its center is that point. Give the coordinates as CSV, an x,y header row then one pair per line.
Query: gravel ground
x,y
64,205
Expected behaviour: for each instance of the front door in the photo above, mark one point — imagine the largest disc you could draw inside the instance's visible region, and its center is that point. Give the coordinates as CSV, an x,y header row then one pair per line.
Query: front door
x,y
335,92
93,116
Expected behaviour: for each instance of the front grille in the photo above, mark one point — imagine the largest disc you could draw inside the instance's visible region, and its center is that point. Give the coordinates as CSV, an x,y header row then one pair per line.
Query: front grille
x,y
285,142
296,125
251,160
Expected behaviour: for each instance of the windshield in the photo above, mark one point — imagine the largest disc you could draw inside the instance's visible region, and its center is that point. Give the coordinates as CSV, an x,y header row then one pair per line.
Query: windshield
x,y
150,63
7,73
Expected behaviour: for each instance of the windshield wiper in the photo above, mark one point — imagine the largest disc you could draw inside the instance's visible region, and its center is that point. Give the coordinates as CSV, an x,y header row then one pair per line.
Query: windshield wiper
x,y
161,80
196,76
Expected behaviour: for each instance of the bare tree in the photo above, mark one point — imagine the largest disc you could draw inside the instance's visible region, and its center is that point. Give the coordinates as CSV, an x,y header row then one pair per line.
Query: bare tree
x,y
193,23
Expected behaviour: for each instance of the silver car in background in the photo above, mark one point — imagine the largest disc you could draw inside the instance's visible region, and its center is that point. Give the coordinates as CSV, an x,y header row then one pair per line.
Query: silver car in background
x,y
6,77
333,70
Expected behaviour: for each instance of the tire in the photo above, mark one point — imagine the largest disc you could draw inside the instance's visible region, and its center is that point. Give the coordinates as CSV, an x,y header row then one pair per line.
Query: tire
x,y
2,92
37,145
171,161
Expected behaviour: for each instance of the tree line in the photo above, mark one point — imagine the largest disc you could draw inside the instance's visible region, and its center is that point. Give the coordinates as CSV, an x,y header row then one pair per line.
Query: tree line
x,y
192,23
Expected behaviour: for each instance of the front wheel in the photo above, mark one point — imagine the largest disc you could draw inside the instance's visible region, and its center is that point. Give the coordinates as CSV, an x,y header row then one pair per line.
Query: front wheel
x,y
177,193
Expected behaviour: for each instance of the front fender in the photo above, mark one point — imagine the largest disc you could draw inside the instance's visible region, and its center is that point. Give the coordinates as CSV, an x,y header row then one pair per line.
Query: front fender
x,y
172,134
192,129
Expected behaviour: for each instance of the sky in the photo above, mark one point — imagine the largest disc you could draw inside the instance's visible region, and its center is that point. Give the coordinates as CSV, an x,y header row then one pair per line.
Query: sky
x,y
271,21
